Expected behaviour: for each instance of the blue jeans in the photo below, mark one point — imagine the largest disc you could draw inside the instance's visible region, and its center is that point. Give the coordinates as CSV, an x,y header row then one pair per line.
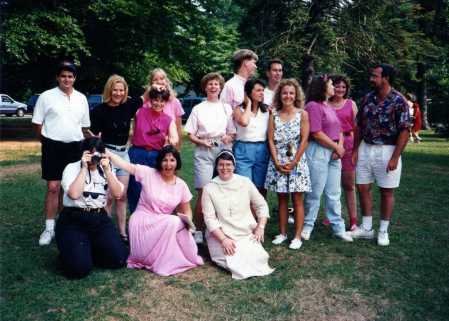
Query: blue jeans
x,y
138,155
325,175
252,161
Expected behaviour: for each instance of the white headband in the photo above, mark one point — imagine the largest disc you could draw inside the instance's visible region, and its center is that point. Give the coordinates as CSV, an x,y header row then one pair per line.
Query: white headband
x,y
226,151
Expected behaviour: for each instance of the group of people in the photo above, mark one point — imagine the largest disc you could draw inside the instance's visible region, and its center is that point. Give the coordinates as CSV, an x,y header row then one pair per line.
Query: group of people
x,y
249,138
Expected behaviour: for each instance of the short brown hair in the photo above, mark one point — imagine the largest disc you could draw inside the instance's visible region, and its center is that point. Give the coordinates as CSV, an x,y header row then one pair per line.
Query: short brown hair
x,y
212,76
341,78
299,99
107,91
240,56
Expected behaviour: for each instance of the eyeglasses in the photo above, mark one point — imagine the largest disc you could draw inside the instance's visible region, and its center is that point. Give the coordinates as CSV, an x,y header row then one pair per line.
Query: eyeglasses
x,y
93,195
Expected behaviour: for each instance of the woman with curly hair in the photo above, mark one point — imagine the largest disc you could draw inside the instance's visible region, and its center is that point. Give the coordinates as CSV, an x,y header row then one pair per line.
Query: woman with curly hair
x,y
288,131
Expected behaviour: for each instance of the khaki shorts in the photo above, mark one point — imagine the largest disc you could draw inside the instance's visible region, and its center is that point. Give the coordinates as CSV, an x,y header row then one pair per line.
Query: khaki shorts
x,y
203,163
372,166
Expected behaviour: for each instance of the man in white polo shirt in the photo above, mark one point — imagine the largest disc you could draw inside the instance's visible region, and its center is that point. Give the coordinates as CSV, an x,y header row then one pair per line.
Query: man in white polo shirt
x,y
59,117
244,65
274,75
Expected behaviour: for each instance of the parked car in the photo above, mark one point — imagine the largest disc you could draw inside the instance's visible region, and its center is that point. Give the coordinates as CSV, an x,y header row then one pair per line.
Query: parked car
x,y
94,100
31,103
188,103
9,106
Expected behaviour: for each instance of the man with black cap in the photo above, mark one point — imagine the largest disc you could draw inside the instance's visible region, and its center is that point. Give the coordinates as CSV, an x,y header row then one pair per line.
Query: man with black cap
x,y
59,117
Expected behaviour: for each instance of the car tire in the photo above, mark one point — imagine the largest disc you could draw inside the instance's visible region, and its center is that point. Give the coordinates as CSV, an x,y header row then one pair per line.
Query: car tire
x,y
20,113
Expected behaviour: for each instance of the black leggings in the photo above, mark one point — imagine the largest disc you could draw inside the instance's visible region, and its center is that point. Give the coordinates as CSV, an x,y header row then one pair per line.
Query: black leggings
x,y
85,239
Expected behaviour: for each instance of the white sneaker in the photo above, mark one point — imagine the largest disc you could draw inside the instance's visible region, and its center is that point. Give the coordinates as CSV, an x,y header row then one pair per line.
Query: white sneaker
x,y
382,239
305,234
46,237
345,236
198,237
361,233
291,219
278,239
295,244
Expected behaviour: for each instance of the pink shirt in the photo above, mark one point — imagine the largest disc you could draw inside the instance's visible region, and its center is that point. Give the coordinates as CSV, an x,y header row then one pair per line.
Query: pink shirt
x,y
172,108
323,118
157,196
210,119
233,91
346,116
151,129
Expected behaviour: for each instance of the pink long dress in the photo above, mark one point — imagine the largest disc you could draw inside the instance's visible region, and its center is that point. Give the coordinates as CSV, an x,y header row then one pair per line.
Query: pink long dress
x,y
160,241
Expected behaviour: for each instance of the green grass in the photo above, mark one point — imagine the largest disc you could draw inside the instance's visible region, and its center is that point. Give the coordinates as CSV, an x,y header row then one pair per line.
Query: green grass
x,y
325,280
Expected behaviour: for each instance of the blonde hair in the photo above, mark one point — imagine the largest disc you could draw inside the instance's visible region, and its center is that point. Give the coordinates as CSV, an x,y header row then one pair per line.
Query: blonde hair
x,y
107,91
153,73
299,99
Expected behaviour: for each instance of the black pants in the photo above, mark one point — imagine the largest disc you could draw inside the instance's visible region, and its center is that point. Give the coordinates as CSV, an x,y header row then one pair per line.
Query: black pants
x,y
86,238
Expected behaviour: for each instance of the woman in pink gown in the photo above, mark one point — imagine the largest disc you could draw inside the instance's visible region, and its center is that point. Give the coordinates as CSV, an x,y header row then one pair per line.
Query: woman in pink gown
x,y
159,241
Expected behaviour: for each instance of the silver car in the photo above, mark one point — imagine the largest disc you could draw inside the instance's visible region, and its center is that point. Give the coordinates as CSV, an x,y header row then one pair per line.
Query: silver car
x,y
9,106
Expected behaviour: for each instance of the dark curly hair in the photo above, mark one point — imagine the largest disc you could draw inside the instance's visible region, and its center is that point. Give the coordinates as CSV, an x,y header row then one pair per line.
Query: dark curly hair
x,y
249,86
168,149
341,78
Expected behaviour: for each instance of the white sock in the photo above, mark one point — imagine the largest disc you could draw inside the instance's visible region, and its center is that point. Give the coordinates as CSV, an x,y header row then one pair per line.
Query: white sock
x,y
50,224
367,222
384,226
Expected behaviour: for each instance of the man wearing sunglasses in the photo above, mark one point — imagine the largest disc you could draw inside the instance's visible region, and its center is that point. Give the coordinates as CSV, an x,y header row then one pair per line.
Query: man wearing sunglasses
x,y
85,234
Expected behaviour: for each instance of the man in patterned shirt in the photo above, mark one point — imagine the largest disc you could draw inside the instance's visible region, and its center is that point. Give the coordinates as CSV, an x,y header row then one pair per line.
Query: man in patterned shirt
x,y
381,135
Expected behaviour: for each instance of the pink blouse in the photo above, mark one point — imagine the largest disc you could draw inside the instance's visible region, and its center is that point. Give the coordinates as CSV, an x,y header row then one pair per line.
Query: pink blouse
x,y
151,129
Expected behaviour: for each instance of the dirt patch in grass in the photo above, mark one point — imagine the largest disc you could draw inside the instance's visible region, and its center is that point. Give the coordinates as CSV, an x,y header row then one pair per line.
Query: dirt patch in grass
x,y
10,172
165,299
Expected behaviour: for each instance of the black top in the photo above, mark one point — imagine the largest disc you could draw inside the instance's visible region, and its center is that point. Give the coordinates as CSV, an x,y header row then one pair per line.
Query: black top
x,y
114,122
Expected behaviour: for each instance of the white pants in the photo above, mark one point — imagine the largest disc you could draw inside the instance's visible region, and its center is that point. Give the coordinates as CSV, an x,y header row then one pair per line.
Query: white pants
x,y
372,166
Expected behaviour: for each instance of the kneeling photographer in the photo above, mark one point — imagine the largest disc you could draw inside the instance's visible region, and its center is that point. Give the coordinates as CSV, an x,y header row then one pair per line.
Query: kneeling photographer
x,y
85,234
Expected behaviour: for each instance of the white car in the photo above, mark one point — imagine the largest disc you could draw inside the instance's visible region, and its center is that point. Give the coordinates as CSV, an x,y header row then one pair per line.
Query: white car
x,y
9,106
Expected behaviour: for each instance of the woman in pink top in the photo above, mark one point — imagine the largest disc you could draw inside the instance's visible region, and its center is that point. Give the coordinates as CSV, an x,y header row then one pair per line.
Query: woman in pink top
x,y
346,110
323,156
173,107
159,241
153,129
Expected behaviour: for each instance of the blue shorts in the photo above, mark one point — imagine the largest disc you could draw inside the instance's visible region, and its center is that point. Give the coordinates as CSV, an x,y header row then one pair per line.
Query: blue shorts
x,y
252,161
124,155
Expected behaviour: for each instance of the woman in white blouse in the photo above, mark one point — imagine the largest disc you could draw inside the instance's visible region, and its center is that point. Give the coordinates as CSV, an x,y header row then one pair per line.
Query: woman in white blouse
x,y
233,235
210,127
250,148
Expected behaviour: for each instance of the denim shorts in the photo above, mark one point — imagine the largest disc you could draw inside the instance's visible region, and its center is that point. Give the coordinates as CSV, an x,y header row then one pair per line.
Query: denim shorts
x,y
124,155
252,161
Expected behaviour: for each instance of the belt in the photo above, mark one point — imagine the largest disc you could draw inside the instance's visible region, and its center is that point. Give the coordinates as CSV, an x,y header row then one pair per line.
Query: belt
x,y
116,148
85,209
249,142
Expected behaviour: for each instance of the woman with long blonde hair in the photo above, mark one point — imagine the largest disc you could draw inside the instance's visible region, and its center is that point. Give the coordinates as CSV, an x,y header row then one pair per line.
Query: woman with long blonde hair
x,y
111,121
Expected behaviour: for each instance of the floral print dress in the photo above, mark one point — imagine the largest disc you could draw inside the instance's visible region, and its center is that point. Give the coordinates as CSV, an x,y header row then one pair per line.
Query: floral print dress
x,y
286,141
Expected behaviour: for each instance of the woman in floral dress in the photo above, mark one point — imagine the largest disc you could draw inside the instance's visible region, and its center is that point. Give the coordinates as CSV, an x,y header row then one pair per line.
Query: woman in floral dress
x,y
288,131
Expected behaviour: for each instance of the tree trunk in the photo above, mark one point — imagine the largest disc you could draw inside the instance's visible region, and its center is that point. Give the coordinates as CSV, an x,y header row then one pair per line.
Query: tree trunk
x,y
422,94
307,71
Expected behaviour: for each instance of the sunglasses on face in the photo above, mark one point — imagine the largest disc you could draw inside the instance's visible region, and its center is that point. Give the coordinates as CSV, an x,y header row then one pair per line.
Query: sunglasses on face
x,y
93,195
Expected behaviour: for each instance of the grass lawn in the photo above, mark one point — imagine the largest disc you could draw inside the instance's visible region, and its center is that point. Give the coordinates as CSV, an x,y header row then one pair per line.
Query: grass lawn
x,y
326,280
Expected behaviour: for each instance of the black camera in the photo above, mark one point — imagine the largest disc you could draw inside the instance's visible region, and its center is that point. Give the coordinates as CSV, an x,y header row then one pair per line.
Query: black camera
x,y
96,158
